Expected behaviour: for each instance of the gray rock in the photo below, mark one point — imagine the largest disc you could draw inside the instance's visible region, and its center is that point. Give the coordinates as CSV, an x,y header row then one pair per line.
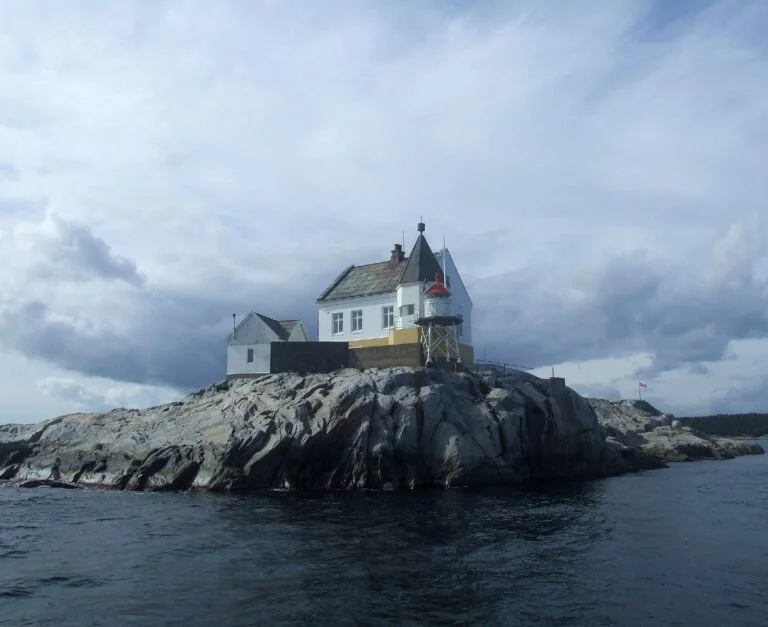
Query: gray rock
x,y
388,428
640,426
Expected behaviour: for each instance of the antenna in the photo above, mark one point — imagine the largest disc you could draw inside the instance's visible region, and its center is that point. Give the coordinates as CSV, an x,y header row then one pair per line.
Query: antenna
x,y
445,277
234,326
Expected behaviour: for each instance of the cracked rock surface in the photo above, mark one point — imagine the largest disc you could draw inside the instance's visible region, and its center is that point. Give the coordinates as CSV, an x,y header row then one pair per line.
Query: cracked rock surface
x,y
389,428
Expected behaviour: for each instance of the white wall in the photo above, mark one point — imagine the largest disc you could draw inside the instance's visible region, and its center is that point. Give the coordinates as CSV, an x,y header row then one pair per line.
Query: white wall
x,y
237,359
459,296
408,294
251,330
372,318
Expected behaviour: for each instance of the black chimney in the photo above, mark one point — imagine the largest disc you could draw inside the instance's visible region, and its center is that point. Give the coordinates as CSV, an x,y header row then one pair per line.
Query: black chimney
x,y
397,254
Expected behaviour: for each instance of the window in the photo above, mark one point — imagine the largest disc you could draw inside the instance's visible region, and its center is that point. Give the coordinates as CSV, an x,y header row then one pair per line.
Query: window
x,y
249,357
337,323
406,310
357,320
388,317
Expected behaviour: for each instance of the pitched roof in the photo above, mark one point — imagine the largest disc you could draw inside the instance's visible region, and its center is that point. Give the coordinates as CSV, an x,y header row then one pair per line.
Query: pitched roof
x,y
274,326
373,278
422,265
289,326
281,328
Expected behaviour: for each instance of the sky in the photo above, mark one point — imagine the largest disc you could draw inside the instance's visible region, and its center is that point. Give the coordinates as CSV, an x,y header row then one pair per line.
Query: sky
x,y
598,169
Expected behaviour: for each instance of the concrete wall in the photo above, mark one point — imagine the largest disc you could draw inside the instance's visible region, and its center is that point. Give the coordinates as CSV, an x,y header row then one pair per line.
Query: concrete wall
x,y
309,356
372,318
386,356
237,358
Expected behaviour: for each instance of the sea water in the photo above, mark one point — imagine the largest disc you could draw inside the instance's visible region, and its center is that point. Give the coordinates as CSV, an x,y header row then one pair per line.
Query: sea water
x,y
683,546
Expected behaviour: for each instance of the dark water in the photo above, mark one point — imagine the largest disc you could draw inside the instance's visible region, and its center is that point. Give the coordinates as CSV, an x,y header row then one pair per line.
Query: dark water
x,y
684,546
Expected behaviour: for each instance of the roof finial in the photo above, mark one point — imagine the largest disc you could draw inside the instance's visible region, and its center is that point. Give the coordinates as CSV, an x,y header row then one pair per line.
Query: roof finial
x,y
420,227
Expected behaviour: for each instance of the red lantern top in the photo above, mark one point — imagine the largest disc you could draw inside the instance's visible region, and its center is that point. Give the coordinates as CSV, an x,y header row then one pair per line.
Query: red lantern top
x,y
437,289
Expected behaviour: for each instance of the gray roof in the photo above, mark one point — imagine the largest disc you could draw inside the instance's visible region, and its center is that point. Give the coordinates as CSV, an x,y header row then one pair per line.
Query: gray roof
x,y
289,326
379,278
281,328
422,265
374,278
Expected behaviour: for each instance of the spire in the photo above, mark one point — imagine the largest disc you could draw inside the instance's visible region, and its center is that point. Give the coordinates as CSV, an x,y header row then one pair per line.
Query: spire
x,y
422,265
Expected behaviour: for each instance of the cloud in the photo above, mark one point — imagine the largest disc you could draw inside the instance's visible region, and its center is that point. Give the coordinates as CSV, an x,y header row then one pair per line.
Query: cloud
x,y
61,250
599,390
684,314
99,395
744,395
595,169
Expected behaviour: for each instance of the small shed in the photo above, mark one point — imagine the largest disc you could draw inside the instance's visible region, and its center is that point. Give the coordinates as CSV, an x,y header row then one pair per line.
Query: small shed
x,y
249,345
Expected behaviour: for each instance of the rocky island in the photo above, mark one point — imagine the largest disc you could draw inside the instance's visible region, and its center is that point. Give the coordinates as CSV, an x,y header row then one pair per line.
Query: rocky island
x,y
637,424
376,429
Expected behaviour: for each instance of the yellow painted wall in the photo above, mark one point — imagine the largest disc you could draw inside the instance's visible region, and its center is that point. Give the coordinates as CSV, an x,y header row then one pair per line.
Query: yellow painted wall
x,y
376,341
395,336
404,336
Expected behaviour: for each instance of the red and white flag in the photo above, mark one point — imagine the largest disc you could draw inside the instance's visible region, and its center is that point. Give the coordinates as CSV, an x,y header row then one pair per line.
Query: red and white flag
x,y
642,385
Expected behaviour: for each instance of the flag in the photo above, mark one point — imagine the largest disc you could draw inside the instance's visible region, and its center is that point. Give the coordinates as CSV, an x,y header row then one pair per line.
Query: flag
x,y
643,385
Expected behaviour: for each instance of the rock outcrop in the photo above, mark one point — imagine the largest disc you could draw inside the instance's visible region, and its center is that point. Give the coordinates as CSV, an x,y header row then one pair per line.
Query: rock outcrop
x,y
639,425
380,429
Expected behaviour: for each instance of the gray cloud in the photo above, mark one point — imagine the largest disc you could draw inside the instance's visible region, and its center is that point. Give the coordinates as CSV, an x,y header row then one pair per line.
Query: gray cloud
x,y
582,160
598,390
634,303
71,252
167,338
744,396
8,172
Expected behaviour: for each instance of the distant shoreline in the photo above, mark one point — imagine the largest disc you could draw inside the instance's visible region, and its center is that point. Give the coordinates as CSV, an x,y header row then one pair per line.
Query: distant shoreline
x,y
737,426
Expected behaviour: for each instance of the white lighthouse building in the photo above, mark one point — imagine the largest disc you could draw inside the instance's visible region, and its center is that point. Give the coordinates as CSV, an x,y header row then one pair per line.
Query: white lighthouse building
x,y
394,302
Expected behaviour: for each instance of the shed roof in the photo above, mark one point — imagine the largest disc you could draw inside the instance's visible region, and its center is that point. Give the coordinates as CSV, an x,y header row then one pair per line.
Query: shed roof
x,y
281,328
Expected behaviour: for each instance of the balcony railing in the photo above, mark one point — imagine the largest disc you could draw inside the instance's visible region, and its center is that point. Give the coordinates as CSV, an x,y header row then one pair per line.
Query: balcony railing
x,y
404,322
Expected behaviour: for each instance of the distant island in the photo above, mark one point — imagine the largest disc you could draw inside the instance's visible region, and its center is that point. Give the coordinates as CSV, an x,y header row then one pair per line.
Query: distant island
x,y
751,425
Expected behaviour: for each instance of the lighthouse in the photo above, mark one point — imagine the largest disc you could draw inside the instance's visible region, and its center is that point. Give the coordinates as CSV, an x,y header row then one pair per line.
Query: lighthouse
x,y
439,327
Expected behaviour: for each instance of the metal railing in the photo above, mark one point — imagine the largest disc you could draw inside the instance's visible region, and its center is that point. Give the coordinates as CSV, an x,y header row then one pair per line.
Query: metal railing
x,y
409,320
483,365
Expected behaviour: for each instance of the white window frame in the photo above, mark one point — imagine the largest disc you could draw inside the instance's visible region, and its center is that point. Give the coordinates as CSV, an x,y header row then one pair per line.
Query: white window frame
x,y
356,325
388,317
337,323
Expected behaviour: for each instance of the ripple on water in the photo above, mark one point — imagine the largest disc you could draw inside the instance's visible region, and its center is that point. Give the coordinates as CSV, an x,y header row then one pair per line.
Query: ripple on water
x,y
13,554
28,586
637,550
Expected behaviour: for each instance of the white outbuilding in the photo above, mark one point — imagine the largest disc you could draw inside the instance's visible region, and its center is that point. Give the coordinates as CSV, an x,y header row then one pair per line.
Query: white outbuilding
x,y
249,344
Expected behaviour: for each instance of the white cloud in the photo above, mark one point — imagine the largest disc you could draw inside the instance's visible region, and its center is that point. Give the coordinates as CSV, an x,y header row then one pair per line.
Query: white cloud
x,y
103,395
165,164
